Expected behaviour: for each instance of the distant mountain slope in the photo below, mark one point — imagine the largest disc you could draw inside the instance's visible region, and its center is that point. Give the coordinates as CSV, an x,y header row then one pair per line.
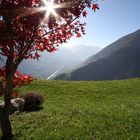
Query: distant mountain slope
x,y
84,51
120,60
126,41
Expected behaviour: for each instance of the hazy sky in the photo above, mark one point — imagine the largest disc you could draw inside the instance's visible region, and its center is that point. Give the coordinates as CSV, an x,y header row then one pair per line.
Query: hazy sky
x,y
115,19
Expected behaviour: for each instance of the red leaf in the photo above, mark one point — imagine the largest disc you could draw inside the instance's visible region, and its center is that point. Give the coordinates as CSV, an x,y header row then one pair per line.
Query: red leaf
x,y
84,13
78,35
95,7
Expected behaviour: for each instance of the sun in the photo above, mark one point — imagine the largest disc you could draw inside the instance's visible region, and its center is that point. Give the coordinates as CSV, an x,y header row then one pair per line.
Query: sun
x,y
50,8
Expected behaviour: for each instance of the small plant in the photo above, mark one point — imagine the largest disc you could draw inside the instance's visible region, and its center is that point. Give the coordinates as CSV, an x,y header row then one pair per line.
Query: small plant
x,y
33,101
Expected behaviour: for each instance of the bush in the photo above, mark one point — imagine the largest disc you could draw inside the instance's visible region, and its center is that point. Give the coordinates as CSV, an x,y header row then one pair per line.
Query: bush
x,y
33,101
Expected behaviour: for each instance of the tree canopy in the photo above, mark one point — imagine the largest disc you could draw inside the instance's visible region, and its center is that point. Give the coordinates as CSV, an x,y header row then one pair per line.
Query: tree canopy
x,y
26,27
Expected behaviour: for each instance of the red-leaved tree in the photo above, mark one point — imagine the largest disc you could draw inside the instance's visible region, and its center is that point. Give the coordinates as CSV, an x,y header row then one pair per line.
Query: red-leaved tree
x,y
28,27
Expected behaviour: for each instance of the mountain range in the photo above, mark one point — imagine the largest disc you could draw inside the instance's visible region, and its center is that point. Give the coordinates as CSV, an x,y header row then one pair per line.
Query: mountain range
x,y
119,60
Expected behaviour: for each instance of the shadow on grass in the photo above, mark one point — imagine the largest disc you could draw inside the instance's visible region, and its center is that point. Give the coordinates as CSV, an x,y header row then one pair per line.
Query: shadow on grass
x,y
34,109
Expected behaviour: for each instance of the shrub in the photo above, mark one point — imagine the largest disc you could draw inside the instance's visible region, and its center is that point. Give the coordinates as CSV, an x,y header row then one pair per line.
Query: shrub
x,y
33,101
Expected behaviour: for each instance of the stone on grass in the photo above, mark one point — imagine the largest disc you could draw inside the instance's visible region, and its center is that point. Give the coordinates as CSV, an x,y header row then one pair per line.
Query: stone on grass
x,y
17,105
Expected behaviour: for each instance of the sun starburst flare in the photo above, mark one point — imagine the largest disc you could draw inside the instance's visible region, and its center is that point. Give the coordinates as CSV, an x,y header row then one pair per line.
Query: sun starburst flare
x,y
50,8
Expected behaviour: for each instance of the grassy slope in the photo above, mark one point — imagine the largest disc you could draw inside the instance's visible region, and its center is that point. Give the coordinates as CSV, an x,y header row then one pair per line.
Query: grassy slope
x,y
108,110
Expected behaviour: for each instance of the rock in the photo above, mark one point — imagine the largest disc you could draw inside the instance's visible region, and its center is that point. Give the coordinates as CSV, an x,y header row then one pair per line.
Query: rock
x,y
20,103
13,108
17,105
1,104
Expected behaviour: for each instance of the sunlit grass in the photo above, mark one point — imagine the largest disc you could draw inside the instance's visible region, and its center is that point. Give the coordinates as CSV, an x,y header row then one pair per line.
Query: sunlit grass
x,y
106,110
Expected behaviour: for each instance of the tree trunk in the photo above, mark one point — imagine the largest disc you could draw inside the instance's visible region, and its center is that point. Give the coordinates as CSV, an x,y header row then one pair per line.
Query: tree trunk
x,y
8,90
6,128
4,120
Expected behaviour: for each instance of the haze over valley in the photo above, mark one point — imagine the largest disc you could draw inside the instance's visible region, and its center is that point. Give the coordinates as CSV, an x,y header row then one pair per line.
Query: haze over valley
x,y
64,60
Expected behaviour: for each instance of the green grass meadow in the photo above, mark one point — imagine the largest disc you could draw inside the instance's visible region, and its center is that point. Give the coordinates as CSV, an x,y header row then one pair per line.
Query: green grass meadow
x,y
106,110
